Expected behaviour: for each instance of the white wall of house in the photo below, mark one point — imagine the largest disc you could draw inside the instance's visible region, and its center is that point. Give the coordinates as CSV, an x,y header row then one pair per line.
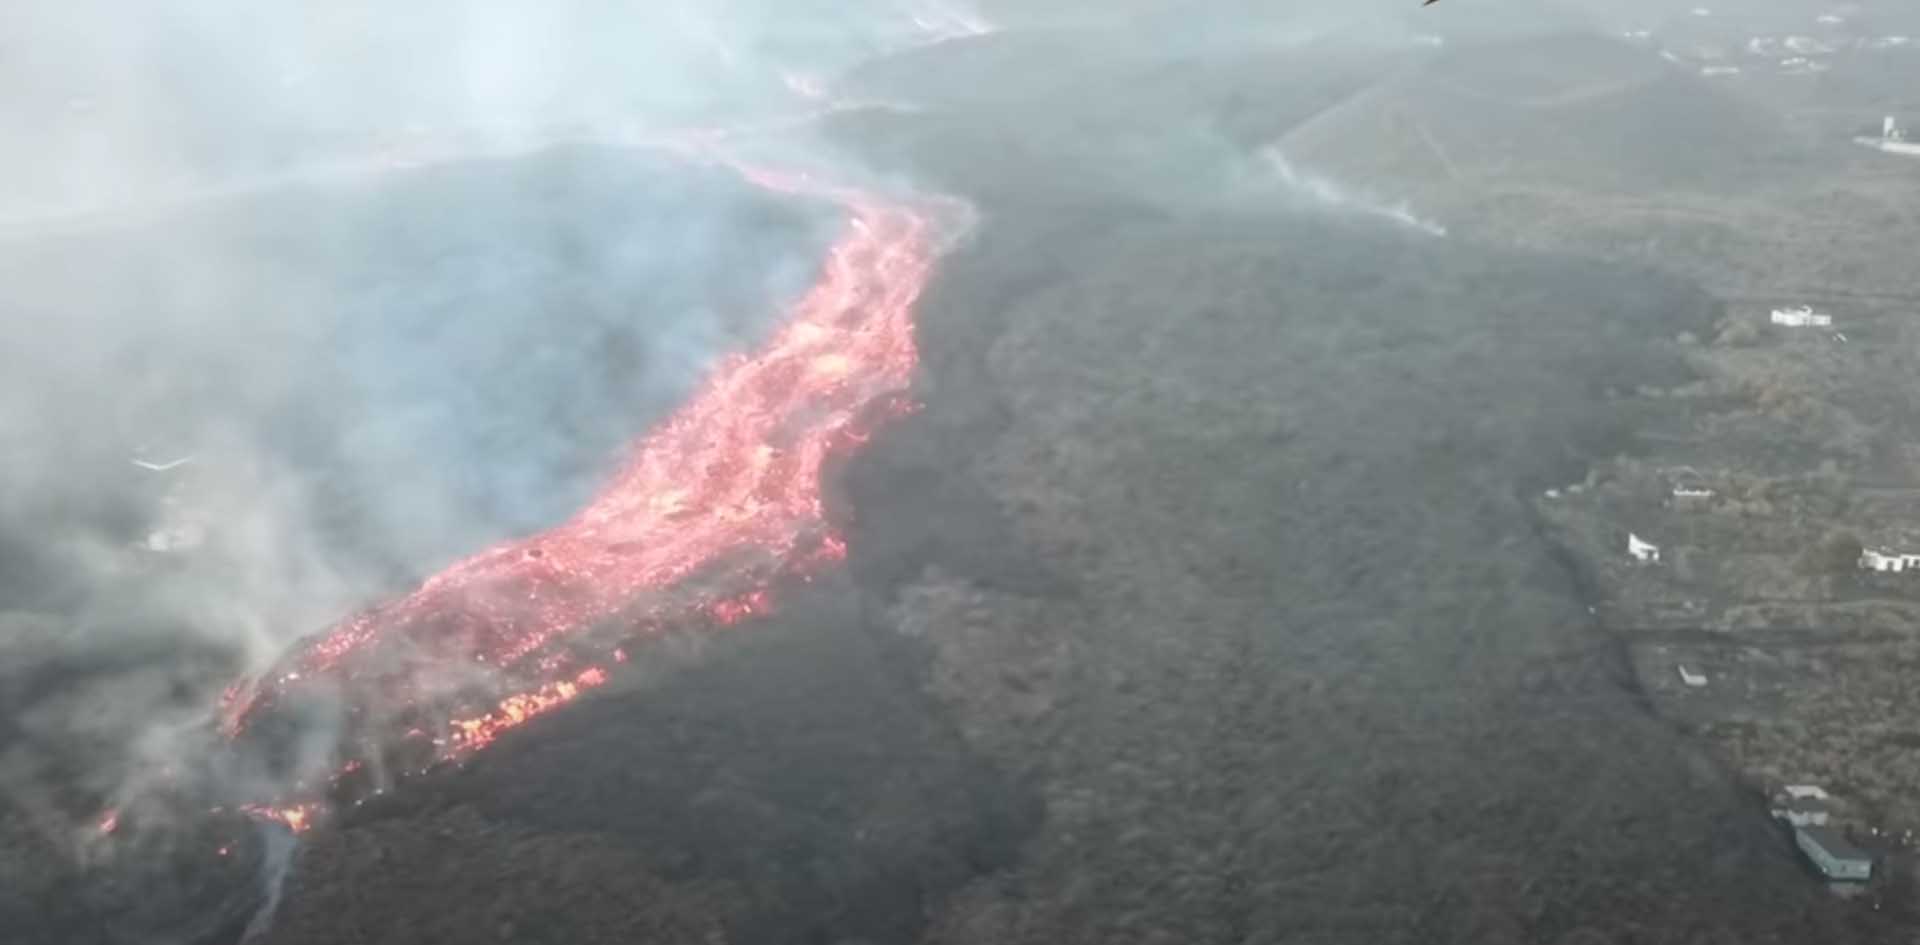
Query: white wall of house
x,y
1892,562
1802,317
1645,552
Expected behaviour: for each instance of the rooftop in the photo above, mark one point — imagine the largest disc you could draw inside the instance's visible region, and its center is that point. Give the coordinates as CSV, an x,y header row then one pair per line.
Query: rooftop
x,y
1835,843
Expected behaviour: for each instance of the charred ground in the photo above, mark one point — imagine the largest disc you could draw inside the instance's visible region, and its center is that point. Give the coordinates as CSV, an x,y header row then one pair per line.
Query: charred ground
x,y
1207,599
1215,534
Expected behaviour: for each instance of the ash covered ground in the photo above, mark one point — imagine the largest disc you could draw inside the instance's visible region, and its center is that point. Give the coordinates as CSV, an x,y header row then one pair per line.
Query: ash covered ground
x,y
1209,596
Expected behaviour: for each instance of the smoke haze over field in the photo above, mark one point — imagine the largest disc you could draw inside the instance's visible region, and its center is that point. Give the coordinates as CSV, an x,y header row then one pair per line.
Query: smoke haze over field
x,y
121,102
372,288
1165,568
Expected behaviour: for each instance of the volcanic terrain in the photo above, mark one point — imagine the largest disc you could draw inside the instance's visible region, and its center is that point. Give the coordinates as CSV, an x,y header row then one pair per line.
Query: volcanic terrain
x,y
1181,572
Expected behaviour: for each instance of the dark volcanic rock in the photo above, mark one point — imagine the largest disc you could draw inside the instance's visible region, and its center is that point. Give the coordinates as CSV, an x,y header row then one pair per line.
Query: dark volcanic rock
x,y
1322,679
791,785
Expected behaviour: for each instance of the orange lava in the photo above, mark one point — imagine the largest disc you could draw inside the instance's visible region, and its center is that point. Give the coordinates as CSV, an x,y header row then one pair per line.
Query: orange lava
x,y
739,466
729,483
295,817
472,733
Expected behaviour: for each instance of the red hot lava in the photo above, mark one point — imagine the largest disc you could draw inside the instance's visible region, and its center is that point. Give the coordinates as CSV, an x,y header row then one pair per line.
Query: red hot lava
x,y
728,485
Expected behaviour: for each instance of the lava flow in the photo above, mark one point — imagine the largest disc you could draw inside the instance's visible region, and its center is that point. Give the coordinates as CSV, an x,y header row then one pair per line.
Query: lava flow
x,y
710,509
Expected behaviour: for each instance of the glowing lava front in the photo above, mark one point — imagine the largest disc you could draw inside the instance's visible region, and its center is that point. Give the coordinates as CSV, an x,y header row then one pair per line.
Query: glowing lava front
x,y
710,508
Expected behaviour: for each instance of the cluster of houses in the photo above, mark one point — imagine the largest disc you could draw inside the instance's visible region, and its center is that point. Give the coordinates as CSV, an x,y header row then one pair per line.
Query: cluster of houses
x,y
1798,53
1880,560
1806,808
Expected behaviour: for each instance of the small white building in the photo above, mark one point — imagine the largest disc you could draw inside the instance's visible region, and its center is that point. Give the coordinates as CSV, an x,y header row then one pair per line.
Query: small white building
x,y
1802,811
1833,854
1686,493
1692,679
1893,139
1802,316
1645,552
1806,790
1888,562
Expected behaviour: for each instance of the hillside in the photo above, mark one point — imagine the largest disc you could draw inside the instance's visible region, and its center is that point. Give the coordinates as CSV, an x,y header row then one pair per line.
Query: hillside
x,y
1576,111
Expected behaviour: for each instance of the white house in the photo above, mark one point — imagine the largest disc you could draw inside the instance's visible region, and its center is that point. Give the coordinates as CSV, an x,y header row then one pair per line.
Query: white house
x,y
1893,139
1645,552
1802,811
1888,562
1806,790
1689,493
1833,854
1801,317
1691,678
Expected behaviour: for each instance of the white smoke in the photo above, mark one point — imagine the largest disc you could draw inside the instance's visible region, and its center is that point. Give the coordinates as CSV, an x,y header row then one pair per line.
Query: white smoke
x,y
1329,193
276,866
197,151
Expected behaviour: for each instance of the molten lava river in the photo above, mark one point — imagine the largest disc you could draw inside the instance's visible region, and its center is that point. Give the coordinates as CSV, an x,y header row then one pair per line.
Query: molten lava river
x,y
711,509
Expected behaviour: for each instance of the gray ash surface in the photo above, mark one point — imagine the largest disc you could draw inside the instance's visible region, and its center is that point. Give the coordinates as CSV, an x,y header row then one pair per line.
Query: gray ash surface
x,y
1205,601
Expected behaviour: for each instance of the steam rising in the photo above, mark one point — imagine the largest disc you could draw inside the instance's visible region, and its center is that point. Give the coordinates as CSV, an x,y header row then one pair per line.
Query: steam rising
x,y
397,282
1328,193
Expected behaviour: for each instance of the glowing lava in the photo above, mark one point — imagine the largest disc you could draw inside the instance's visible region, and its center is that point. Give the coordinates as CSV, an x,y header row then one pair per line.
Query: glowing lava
x,y
294,817
712,506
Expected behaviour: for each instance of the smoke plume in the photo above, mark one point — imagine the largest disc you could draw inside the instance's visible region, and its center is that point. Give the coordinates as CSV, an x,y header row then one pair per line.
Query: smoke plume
x,y
306,303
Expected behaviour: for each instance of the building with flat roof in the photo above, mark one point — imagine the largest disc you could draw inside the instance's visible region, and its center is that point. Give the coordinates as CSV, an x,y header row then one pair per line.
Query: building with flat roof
x,y
1833,854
